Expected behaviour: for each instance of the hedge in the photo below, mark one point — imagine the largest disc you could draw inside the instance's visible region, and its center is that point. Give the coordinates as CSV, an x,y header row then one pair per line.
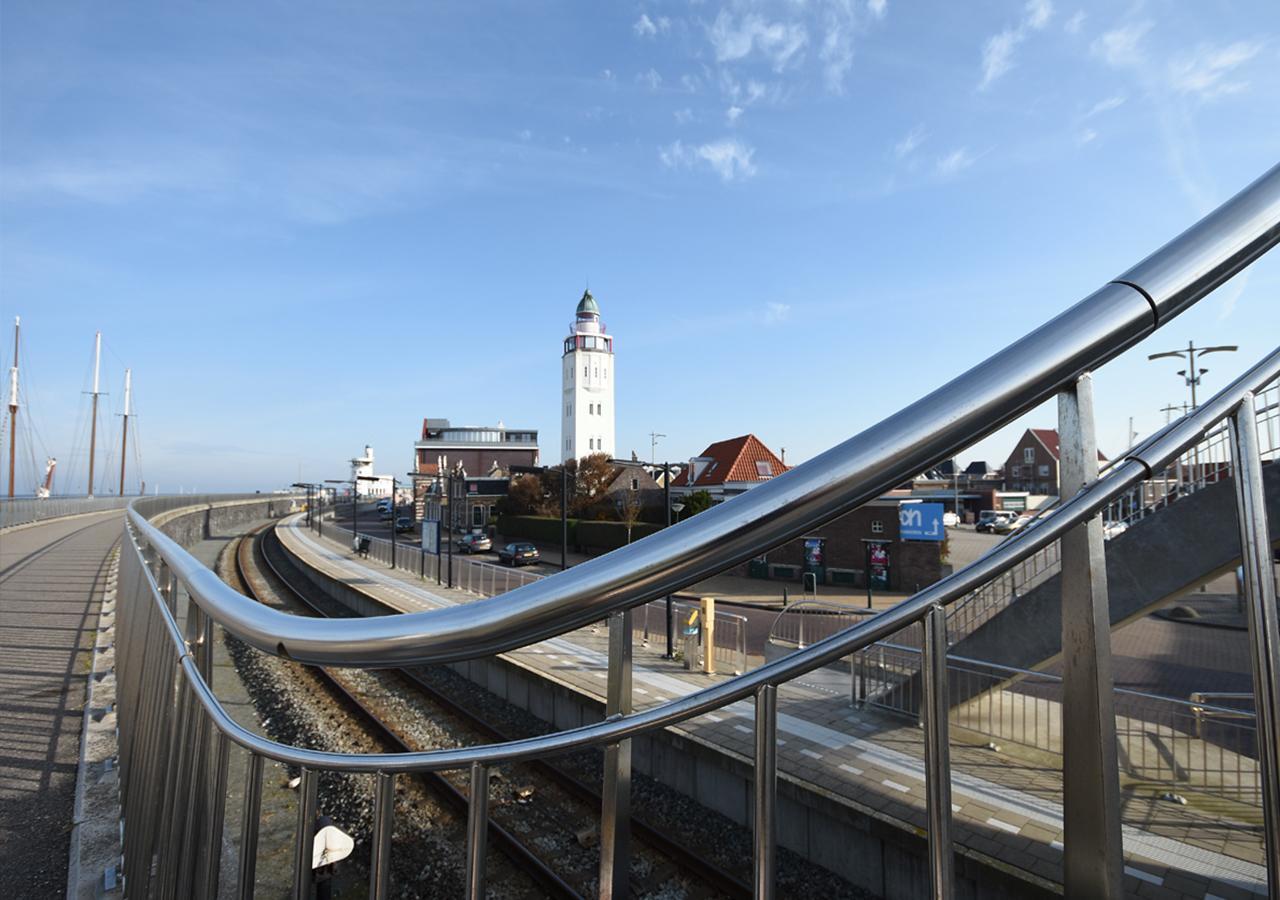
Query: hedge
x,y
596,535
612,535
536,528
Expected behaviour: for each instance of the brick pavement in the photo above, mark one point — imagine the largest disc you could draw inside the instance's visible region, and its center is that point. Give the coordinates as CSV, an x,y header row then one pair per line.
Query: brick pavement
x,y
1007,807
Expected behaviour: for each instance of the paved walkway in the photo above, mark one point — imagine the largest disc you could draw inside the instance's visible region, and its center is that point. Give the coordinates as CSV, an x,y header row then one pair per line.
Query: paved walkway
x,y
1005,807
52,578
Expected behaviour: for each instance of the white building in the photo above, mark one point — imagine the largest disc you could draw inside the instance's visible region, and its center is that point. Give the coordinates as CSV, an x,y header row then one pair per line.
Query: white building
x,y
362,470
586,416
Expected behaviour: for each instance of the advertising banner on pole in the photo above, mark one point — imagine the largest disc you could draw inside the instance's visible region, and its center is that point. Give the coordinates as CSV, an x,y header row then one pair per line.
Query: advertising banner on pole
x,y
431,536
921,522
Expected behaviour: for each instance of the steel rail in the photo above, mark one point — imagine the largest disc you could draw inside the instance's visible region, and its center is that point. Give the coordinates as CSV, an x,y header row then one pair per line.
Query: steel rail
x,y
504,840
1028,371
1136,466
694,865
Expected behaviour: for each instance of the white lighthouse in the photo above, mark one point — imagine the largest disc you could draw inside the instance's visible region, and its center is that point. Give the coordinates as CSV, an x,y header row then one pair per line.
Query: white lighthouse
x,y
586,418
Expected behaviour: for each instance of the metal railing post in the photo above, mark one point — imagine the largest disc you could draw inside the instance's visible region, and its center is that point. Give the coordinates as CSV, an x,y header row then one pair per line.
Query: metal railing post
x,y
765,789
1093,864
213,847
304,837
384,811
937,754
615,812
249,826
477,830
1261,611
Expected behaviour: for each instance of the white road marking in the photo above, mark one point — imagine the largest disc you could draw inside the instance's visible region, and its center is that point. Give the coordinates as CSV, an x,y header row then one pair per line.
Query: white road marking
x,y
1004,826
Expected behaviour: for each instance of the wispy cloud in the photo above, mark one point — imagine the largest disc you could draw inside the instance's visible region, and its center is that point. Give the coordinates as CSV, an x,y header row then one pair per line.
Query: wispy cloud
x,y
913,139
877,8
651,78
729,158
1205,73
733,113
1075,23
1104,106
1087,136
735,38
955,162
997,52
776,312
646,27
683,116
1122,47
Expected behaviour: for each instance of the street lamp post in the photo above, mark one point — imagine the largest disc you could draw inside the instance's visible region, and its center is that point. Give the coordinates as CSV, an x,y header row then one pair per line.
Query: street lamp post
x,y
666,502
1190,373
353,503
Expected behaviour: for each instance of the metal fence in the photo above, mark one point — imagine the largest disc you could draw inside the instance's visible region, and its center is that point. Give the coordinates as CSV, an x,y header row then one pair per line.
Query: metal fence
x,y
1182,744
27,510
176,738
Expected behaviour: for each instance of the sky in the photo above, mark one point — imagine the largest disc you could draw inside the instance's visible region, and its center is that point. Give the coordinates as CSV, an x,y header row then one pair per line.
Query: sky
x,y
306,227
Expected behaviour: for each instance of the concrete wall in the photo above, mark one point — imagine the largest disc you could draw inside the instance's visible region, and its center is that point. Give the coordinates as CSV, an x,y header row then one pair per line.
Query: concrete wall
x,y
188,525
1182,546
862,846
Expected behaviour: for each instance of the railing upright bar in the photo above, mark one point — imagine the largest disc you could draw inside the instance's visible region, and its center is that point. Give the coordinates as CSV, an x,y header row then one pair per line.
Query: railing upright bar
x,y
217,812
615,812
249,827
765,789
1093,862
937,755
1261,611
477,830
304,835
384,811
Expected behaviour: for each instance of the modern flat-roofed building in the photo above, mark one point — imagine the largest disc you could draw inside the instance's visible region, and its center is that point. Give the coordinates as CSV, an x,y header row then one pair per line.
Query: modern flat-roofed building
x,y
468,450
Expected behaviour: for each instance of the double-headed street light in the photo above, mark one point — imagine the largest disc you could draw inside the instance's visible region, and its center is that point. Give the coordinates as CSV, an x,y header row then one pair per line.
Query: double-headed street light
x,y
1191,374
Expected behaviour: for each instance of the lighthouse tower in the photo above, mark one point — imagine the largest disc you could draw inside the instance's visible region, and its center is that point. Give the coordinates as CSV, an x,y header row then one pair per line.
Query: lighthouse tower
x,y
586,419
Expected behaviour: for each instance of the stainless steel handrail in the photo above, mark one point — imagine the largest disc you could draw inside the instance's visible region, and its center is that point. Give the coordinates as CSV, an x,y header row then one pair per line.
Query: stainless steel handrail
x,y
1134,467
1030,370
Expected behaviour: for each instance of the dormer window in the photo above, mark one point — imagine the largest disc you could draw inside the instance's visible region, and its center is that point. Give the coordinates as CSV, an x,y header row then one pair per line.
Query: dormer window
x,y
764,468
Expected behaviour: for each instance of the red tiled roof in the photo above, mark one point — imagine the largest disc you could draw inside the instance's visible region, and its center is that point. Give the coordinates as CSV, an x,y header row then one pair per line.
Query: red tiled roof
x,y
1049,437
733,460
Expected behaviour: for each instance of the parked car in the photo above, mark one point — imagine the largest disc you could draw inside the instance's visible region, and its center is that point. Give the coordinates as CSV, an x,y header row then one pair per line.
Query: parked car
x,y
518,554
986,520
950,519
384,503
404,523
384,513
1008,524
474,543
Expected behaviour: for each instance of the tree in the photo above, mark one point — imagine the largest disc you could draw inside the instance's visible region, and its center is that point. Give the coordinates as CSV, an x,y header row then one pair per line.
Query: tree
x,y
695,503
524,497
588,495
629,508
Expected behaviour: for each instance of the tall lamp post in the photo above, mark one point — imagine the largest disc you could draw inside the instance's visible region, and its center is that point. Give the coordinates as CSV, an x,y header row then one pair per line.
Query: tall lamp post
x,y
351,482
393,511
1191,373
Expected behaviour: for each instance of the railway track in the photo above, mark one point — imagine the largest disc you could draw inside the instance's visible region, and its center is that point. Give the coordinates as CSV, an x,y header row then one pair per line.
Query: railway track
x,y
573,797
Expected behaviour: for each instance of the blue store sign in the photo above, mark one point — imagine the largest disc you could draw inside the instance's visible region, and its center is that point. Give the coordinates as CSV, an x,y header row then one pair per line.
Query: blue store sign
x,y
921,522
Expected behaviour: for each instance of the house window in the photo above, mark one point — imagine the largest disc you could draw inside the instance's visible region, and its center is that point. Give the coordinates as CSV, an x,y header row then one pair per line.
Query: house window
x,y
477,515
1044,471
877,527
764,468
1015,471
1028,454
635,484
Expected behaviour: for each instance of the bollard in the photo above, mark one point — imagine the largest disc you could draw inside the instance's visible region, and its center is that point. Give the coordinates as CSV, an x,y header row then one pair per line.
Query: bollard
x,y
708,635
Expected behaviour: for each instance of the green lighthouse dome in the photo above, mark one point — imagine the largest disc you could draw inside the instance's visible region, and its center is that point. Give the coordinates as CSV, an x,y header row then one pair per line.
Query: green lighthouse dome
x,y
587,305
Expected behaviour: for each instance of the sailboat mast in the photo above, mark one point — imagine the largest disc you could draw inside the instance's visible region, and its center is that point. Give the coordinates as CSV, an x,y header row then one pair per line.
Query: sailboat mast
x,y
93,426
13,404
124,432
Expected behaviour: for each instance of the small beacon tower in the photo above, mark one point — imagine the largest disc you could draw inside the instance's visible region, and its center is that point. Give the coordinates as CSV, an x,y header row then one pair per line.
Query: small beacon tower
x,y
586,416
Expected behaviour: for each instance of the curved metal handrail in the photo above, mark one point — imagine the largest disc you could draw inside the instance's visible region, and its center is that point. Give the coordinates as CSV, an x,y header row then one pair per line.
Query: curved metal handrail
x,y
1135,466
965,410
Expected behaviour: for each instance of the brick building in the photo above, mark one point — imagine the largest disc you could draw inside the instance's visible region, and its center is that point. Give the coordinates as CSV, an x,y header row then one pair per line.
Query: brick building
x,y
728,468
474,451
1033,464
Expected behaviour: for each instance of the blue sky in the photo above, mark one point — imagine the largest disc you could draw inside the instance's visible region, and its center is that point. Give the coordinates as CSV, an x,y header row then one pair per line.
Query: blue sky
x,y
307,226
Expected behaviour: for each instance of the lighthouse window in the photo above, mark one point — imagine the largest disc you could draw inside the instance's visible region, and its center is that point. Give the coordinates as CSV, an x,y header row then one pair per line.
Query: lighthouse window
x,y
585,373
